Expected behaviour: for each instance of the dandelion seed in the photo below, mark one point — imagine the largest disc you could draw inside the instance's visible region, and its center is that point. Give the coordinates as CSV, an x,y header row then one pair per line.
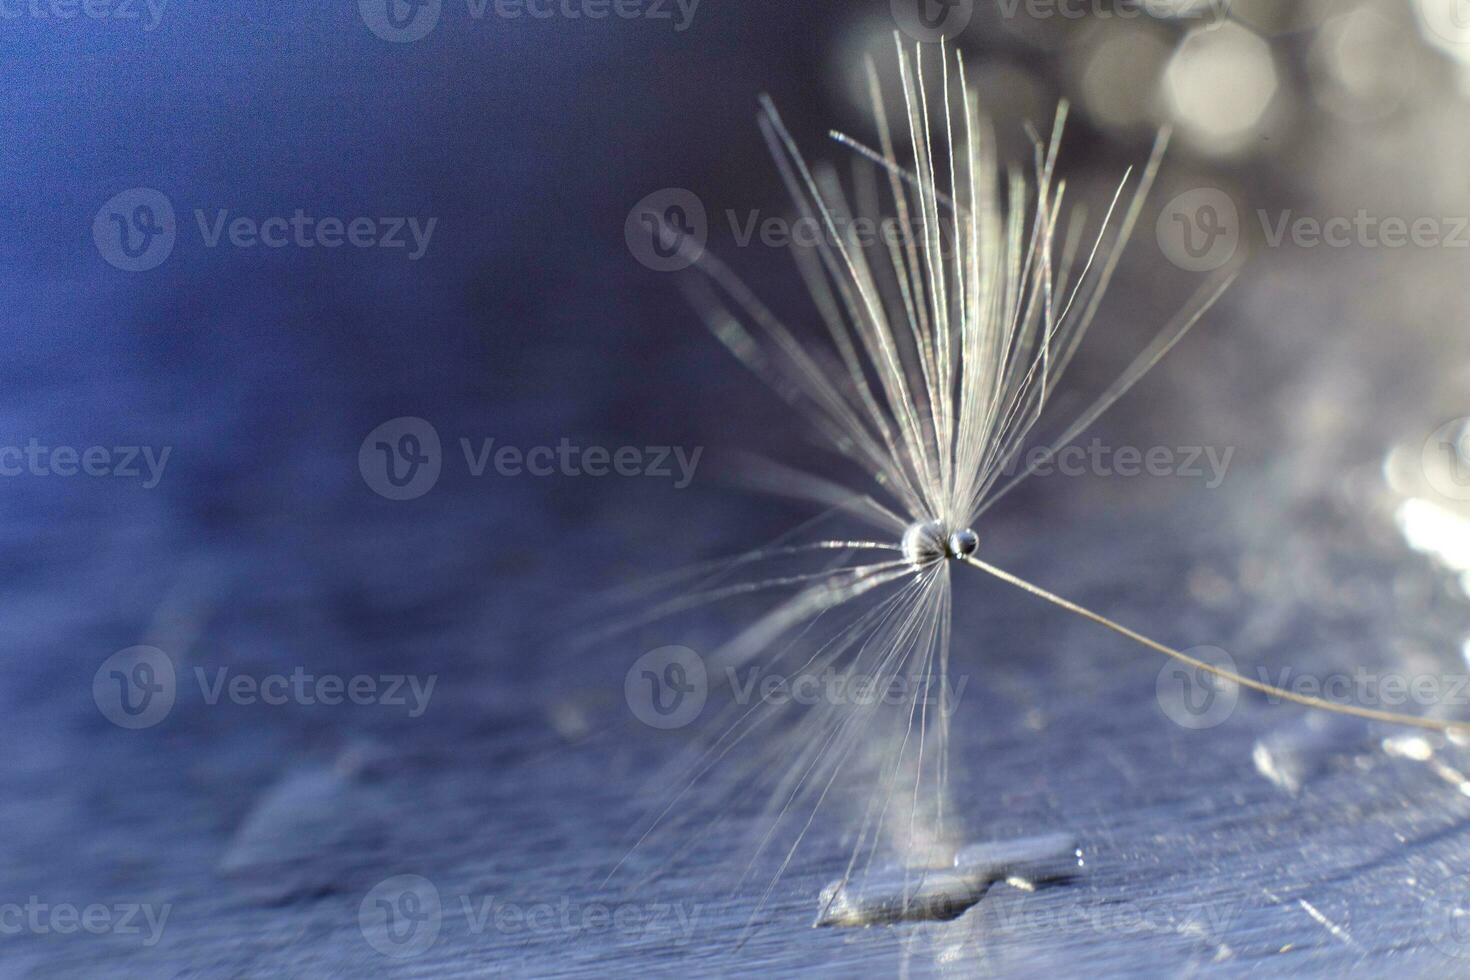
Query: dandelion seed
x,y
944,345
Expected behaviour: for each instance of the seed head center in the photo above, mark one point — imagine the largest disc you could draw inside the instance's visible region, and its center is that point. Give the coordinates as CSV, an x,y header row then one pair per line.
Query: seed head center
x,y
929,541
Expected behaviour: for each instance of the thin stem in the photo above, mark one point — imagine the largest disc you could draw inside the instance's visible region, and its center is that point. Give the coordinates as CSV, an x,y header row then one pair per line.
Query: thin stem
x,y
1392,717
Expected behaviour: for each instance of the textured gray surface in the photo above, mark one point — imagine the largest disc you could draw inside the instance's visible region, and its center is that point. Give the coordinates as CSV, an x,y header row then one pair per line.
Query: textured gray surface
x,y
265,835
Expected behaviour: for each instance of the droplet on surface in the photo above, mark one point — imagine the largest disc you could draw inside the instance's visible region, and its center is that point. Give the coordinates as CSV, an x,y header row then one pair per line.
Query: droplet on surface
x,y
1049,857
888,895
